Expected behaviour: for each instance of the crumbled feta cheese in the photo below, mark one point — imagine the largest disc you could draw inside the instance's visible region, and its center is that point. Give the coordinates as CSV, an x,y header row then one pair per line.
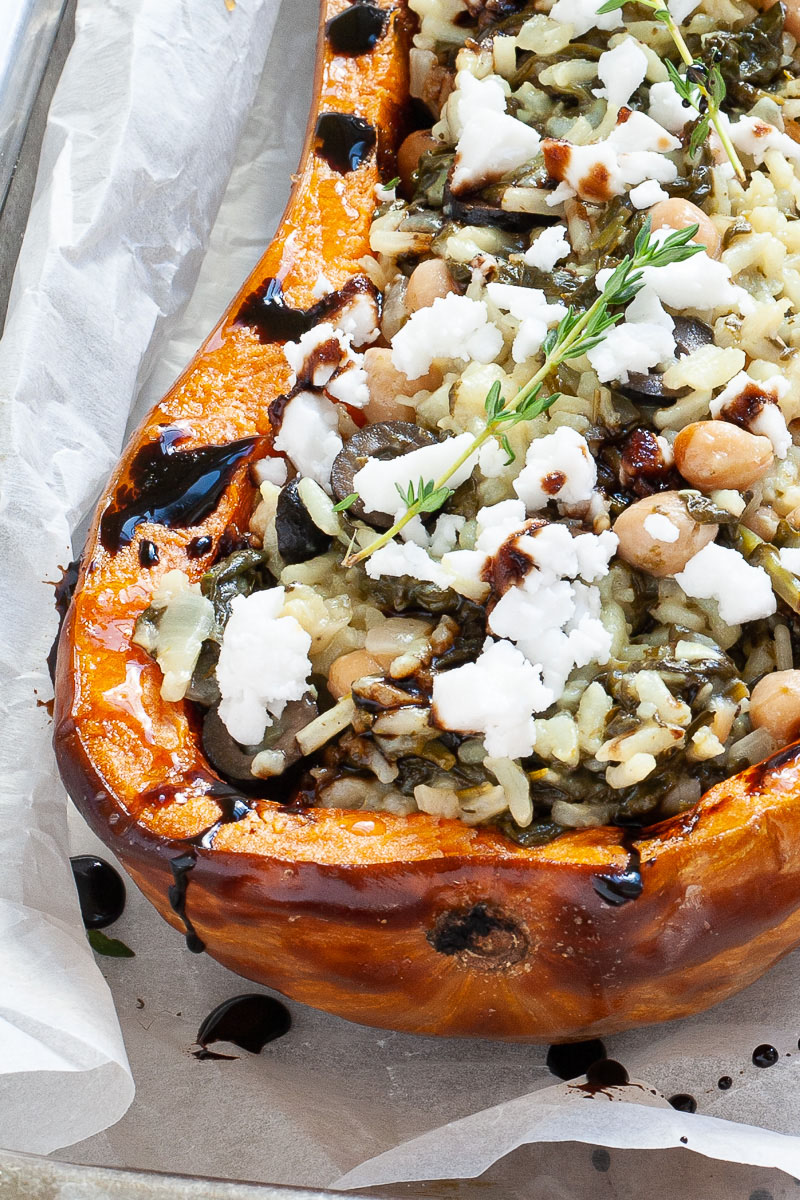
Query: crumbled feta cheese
x,y
471,97
621,71
263,664
549,248
790,559
324,358
661,529
309,437
496,697
322,287
496,522
640,134
407,558
646,194
445,534
559,467
270,470
643,340
359,319
755,405
378,480
453,327
492,459
582,15
698,282
667,108
491,144
753,136
681,9
743,592
530,307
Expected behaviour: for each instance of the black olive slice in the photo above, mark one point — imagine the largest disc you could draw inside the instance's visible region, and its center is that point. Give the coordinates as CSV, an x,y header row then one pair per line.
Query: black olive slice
x,y
298,537
384,440
649,389
476,210
234,761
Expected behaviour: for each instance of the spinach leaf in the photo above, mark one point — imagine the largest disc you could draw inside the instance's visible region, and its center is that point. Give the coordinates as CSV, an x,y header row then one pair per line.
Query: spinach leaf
x,y
750,58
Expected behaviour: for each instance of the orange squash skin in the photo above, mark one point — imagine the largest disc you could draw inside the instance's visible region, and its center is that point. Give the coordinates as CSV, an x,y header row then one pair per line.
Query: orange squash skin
x,y
407,923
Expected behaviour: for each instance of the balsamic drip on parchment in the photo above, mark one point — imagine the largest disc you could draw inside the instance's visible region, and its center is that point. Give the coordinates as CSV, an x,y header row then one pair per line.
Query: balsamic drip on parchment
x,y
357,29
101,892
683,1102
171,487
344,140
62,597
572,1059
248,1021
619,887
765,1056
267,313
234,808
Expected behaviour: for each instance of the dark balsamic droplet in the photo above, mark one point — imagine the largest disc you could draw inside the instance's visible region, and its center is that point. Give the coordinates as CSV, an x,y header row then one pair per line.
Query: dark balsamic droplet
x,y
176,894
765,1056
760,1194
724,1082
601,1160
357,29
101,891
267,313
684,1140
200,546
63,594
176,488
574,1059
148,553
344,140
607,1072
248,1021
619,887
683,1102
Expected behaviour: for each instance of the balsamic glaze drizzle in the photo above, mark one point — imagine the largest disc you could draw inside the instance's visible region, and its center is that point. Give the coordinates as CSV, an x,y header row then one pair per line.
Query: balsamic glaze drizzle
x,y
248,1021
199,546
234,808
765,1056
62,597
357,29
344,140
683,1102
570,1060
267,313
101,892
622,886
148,553
171,487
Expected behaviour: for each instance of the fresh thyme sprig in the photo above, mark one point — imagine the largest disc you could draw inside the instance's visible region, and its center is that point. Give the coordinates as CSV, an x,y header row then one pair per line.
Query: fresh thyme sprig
x,y
576,333
702,88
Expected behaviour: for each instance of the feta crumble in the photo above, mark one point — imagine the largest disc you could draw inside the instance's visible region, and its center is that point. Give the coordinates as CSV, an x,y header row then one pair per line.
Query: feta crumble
x,y
558,467
324,358
407,558
495,697
549,248
453,327
699,282
755,137
263,664
378,480
755,404
661,529
531,308
643,340
646,194
666,107
790,559
309,436
582,15
359,319
743,592
491,144
621,71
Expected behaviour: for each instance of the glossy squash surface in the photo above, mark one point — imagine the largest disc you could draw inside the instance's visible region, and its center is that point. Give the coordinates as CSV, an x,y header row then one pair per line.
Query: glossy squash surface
x,y
408,923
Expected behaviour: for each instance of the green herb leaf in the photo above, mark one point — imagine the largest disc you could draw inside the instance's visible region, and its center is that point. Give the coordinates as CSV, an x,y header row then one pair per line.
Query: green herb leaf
x,y
427,498
494,401
109,947
611,6
510,455
348,501
391,184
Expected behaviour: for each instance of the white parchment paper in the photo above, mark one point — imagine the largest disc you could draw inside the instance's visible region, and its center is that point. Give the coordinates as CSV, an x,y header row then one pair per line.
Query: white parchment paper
x,y
137,153
329,1095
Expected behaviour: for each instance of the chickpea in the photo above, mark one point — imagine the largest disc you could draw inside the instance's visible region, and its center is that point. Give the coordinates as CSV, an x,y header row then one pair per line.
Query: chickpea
x,y
793,517
763,521
346,669
775,705
677,214
411,151
388,387
429,281
641,549
716,454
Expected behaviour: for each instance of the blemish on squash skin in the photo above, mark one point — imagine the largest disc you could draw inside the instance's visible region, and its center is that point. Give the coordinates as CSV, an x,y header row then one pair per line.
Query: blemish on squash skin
x,y
480,937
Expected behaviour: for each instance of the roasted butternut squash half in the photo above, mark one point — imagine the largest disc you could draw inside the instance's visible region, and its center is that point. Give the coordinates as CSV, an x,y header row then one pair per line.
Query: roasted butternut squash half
x,y
430,632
